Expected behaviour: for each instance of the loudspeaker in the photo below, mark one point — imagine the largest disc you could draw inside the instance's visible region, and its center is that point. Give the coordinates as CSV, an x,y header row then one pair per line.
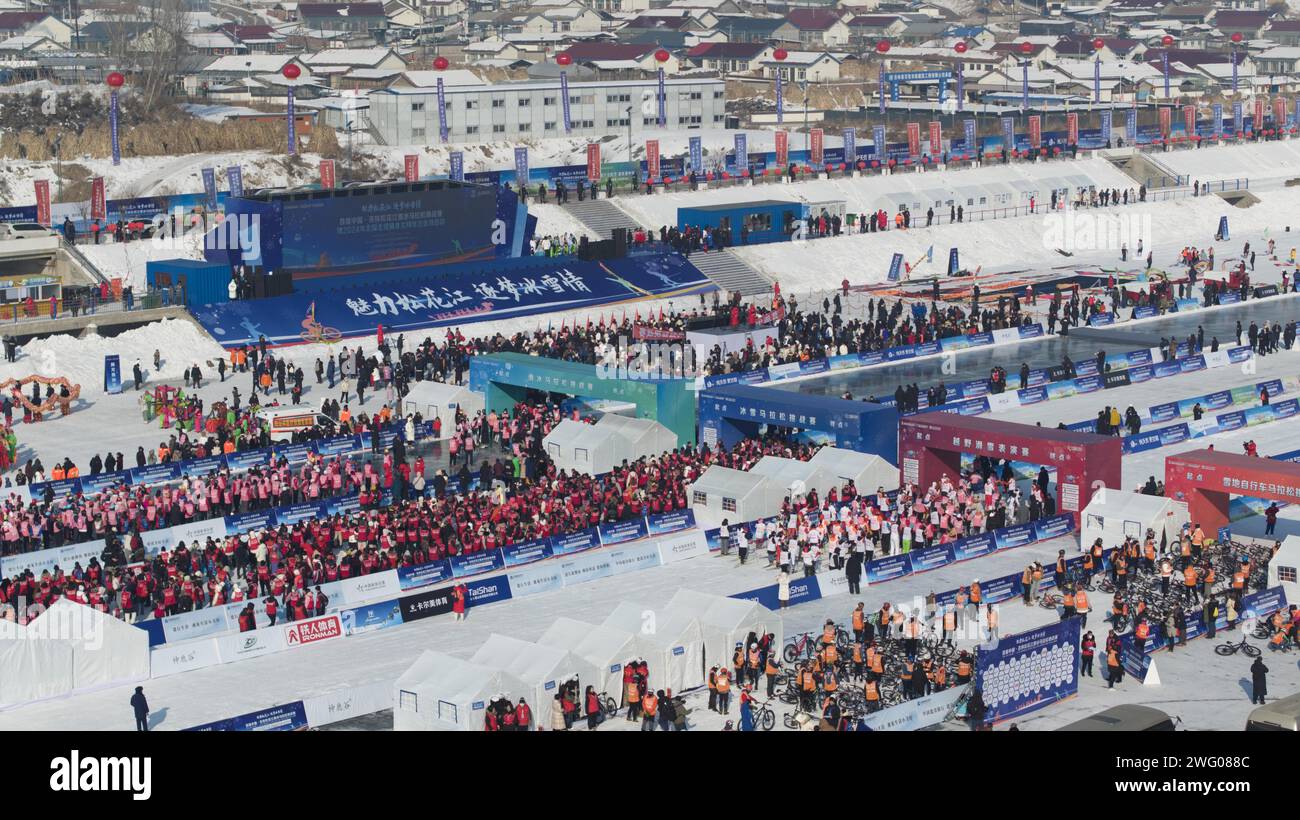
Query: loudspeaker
x,y
621,241
584,249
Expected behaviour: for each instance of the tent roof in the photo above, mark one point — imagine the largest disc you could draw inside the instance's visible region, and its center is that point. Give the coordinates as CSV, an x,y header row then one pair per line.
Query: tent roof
x,y
1133,506
454,679
597,644
734,483
670,627
632,429
715,610
530,662
578,433
786,471
844,462
437,392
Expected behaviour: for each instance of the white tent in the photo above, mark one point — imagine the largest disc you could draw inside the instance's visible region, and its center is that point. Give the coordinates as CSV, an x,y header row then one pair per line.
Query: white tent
x,y
606,648
642,438
105,650
1282,569
735,495
543,669
575,445
437,400
1113,514
726,621
795,477
867,471
32,669
671,643
441,692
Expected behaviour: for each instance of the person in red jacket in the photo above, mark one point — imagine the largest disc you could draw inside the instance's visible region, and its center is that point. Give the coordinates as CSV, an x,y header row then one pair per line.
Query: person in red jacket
x,y
458,596
271,609
523,716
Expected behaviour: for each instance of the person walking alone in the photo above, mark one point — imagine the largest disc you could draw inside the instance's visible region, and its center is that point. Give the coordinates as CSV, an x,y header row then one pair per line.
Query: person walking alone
x,y
141,708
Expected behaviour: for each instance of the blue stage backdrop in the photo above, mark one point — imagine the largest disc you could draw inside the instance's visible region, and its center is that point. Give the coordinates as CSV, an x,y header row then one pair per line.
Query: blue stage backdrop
x,y
432,298
322,234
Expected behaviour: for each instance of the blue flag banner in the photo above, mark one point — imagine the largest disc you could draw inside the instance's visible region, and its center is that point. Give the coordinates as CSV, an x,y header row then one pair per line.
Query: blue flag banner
x,y
1131,125
1030,670
1217,108
564,98
969,126
697,155
878,141
112,373
235,178
112,128
742,153
1223,228
780,98
851,147
521,166
663,100
1107,125
896,267
1238,118
457,172
291,121
953,264
442,112
1009,133
210,187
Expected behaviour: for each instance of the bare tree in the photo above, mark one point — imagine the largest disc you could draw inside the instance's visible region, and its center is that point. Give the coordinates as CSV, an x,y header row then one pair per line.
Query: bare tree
x,y
149,38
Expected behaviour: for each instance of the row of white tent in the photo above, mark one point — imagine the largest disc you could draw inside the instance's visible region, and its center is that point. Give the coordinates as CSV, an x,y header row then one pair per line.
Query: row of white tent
x,y
678,642
68,648
747,495
595,449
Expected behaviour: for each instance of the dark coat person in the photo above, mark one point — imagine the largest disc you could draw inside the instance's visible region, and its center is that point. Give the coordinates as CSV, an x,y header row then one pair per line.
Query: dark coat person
x,y
1259,681
141,707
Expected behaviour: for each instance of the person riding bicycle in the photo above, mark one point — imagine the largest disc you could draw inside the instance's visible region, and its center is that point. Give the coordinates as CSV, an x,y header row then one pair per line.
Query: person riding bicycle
x,y
828,633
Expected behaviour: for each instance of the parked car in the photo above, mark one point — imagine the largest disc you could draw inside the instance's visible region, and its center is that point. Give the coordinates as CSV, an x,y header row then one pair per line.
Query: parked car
x,y
23,230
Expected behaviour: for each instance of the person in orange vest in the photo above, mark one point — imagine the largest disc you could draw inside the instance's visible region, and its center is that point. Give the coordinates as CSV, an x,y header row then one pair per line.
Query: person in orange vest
x,y
633,695
991,619
859,665
771,669
807,683
649,709
940,677
713,689
1067,603
1082,607
871,691
1141,633
724,690
1114,670
964,667
859,621
1026,584
1189,584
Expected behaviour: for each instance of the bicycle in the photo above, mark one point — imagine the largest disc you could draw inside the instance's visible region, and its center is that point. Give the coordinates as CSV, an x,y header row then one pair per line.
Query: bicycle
x,y
1226,649
608,705
764,716
1050,600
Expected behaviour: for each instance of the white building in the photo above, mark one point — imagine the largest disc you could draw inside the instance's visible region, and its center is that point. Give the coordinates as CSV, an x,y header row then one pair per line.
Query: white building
x,y
515,111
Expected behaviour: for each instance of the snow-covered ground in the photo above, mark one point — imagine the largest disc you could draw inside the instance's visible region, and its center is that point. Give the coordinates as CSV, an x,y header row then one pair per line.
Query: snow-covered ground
x,y
1265,164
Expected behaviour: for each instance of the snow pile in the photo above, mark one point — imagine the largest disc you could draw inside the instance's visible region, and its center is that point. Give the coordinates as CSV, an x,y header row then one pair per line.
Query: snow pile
x,y
81,360
1263,163
553,220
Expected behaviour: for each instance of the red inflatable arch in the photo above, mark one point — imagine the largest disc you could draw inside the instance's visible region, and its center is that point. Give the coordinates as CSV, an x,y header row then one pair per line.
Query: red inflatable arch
x,y
930,446
1207,480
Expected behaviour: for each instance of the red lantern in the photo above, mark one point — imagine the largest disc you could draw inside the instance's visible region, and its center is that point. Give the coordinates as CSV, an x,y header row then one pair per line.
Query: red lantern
x,y
726,175
1026,47
780,54
875,163
708,175
668,180
844,166
291,71
115,80
1166,41
662,55
862,165
882,46
961,47
440,63
1236,37
563,58
1098,44
907,161
829,167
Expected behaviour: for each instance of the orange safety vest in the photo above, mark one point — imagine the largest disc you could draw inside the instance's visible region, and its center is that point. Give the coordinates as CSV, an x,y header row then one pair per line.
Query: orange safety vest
x,y
649,705
975,594
963,668
809,683
950,620
832,653
770,669
1189,576
859,620
1069,600
1081,601
828,634
993,618
1112,658
1143,631
872,691
724,681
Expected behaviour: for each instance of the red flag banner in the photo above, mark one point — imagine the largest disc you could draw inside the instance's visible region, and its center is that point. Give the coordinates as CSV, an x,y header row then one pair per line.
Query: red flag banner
x,y
936,138
98,203
1165,116
1072,129
1259,114
593,161
412,167
652,158
43,202
327,173
782,149
1035,131
645,333
817,147
1189,120
1279,112
914,139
